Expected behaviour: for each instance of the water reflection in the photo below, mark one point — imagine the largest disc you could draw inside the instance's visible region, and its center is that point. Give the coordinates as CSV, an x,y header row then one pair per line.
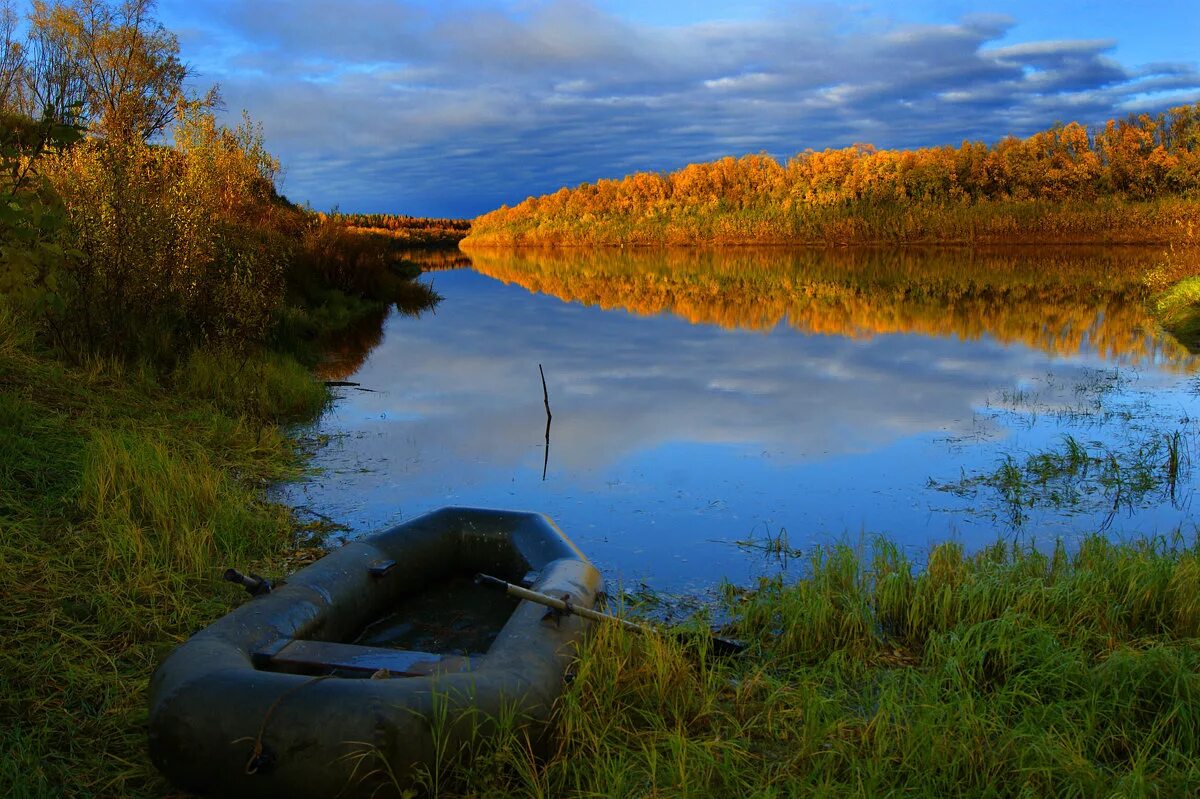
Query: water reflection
x,y
346,353
673,440
1063,301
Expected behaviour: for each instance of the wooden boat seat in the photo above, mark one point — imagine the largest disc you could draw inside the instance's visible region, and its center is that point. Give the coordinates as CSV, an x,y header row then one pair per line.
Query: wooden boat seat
x,y
289,654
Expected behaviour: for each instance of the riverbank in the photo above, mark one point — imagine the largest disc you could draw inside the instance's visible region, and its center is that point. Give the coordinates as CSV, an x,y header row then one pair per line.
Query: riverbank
x,y
134,489
1179,310
127,491
1013,672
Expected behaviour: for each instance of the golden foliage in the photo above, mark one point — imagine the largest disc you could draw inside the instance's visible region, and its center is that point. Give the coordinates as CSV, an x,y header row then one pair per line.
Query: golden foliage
x,y
1065,184
177,242
409,231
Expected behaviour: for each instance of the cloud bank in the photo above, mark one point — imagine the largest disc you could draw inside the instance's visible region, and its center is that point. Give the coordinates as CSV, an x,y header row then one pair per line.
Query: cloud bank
x,y
459,107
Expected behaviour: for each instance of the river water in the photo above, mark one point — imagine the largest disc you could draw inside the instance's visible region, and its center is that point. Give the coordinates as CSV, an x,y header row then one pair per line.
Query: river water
x,y
716,414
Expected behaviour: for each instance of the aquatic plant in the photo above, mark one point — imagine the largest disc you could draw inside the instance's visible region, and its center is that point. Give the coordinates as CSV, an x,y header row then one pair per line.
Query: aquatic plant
x,y
1085,477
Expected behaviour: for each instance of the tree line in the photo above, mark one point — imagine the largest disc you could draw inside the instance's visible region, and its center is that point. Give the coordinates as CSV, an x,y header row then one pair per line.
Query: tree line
x,y
865,193
406,232
397,222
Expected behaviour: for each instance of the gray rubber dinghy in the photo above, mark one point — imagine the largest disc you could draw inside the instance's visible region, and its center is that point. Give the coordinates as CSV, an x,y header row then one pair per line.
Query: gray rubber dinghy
x,y
339,681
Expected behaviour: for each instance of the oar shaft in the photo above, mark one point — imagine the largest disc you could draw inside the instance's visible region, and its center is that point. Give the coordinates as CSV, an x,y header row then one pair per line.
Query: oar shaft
x,y
721,646
562,606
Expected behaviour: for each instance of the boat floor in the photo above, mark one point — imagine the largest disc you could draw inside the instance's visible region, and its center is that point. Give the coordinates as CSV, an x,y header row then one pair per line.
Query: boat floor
x,y
454,617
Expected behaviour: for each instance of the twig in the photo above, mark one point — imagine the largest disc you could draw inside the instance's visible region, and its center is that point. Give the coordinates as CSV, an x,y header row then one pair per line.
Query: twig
x,y
545,393
549,416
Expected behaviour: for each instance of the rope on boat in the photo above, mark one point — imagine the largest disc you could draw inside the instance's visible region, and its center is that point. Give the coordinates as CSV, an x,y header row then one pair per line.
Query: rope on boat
x,y
260,757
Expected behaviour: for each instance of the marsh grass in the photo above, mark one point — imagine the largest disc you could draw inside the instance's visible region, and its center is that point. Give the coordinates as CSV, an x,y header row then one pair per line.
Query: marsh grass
x,y
1085,477
124,493
1010,672
268,386
774,545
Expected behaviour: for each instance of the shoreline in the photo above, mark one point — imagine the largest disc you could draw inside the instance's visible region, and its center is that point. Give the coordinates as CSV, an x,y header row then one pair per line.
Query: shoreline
x,y
96,622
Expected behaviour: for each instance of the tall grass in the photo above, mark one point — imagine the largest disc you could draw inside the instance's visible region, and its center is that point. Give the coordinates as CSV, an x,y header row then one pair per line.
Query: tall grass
x,y
121,498
267,386
1179,309
1010,672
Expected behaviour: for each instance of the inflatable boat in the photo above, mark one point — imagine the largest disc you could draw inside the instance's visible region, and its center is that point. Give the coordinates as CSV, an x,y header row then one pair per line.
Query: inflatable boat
x,y
367,666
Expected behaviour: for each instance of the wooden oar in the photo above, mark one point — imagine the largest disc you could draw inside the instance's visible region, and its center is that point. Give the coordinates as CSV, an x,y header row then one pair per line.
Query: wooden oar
x,y
720,646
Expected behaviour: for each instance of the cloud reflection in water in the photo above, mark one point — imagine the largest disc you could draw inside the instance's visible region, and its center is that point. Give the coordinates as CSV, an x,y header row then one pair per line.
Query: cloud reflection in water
x,y
670,436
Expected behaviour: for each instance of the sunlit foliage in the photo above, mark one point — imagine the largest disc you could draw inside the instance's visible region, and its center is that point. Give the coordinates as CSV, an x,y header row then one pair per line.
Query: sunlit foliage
x,y
168,241
33,223
1064,184
106,64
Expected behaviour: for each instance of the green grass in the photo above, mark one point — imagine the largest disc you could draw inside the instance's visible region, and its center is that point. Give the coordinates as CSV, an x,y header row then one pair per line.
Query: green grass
x,y
1009,673
127,490
123,494
1179,309
267,386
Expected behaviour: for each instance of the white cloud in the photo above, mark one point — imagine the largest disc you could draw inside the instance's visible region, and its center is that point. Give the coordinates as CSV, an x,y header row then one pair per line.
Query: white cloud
x,y
560,91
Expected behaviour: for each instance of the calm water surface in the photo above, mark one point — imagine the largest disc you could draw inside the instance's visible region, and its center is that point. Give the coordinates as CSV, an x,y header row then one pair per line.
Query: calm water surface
x,y
706,405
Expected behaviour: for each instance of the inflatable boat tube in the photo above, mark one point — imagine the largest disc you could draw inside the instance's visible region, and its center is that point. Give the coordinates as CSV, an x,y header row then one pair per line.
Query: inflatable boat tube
x,y
272,700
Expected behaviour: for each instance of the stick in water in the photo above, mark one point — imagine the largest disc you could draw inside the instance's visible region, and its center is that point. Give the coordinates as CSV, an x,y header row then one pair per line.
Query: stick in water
x,y
549,416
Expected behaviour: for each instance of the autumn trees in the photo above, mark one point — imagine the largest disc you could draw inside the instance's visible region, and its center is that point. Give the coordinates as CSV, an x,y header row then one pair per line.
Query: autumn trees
x,y
1059,184
111,237
108,65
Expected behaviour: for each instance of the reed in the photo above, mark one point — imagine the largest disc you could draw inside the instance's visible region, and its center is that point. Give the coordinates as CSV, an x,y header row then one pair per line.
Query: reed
x,y
1123,476
1013,672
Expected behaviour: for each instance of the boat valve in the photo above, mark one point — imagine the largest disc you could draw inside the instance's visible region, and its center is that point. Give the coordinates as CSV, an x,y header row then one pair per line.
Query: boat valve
x,y
254,585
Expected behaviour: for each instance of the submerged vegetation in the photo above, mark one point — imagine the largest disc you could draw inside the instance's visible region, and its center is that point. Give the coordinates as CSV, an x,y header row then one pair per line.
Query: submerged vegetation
x,y
1087,477
1014,672
1135,180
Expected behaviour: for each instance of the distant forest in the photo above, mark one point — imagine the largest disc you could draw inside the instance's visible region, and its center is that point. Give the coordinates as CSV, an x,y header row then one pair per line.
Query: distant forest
x,y
1132,180
408,231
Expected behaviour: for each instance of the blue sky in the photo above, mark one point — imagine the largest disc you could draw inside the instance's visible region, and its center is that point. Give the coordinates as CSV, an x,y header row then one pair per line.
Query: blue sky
x,y
456,107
